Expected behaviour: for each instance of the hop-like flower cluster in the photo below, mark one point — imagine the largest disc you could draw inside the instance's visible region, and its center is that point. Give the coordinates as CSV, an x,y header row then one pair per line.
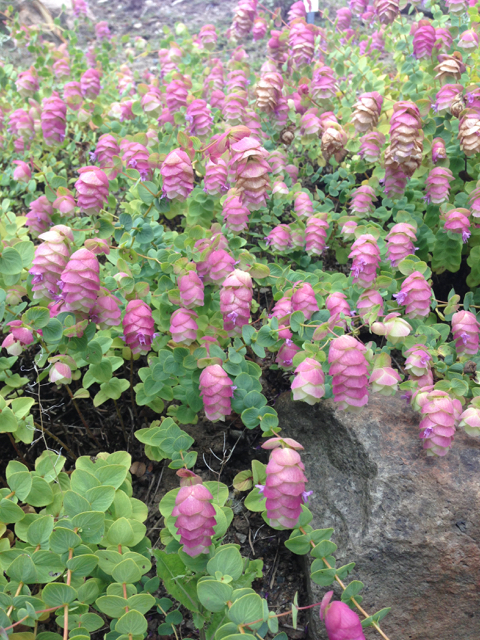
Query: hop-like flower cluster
x,y
309,382
191,290
176,94
200,118
285,484
438,150
102,31
424,39
21,123
53,119
362,200
183,326
50,260
136,156
61,68
177,173
465,329
72,95
216,176
18,338
234,212
251,171
336,303
418,360
301,42
27,82
310,124
366,111
400,242
448,95
440,413
348,367
323,85
438,184
470,418
341,622
107,147
371,146
303,299
244,16
22,171
208,36
316,234
358,7
367,300
195,515
457,221
393,327
106,311
297,10
39,215
90,84
216,267
450,67
235,301
259,28
80,282
216,389
386,10
415,293
469,132
138,326
366,257
286,353
457,6
268,91
92,189
406,137
334,139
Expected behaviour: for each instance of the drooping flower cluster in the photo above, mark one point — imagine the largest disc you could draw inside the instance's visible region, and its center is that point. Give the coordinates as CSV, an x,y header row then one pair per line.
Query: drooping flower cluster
x,y
348,367
80,282
53,119
366,257
366,111
92,188
309,382
51,258
415,293
195,514
400,242
440,414
177,173
235,301
216,389
138,326
284,488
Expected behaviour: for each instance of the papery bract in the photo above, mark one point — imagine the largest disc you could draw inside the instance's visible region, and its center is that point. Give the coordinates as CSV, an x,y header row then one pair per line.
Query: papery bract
x,y
216,389
138,326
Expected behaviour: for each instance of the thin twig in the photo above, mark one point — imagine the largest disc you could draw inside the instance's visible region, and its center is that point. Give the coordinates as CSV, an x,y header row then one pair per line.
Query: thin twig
x,y
87,428
121,423
44,430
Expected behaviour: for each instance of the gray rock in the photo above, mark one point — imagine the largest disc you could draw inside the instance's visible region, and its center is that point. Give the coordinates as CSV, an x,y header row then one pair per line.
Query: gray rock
x,y
411,523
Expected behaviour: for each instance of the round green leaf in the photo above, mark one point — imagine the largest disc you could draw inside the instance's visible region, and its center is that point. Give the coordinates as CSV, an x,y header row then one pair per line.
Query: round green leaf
x,y
214,594
132,623
57,594
11,262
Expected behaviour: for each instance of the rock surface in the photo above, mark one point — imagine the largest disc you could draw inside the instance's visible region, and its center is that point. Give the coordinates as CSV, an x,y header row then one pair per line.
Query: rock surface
x,y
410,523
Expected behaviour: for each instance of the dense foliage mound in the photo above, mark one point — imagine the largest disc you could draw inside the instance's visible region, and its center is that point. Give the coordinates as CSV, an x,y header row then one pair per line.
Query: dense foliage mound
x,y
207,225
